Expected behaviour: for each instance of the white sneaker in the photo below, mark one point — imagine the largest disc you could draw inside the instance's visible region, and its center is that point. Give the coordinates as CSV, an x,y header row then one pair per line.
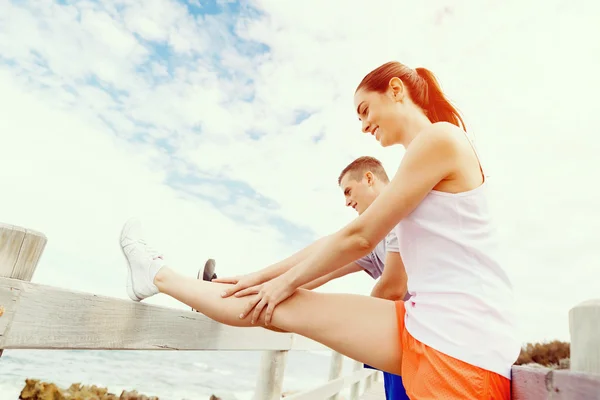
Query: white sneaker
x,y
143,262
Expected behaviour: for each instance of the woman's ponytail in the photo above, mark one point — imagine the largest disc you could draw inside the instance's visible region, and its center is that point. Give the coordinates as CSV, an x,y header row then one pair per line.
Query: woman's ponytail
x,y
437,107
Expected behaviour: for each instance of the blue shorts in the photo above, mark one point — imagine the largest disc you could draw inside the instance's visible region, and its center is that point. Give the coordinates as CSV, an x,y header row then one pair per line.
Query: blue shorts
x,y
394,388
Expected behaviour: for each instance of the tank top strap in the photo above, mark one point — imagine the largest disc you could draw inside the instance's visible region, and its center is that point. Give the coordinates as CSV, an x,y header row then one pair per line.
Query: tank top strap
x,y
471,142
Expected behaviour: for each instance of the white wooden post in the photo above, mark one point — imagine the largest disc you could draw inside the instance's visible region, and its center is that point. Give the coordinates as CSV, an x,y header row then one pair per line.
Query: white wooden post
x,y
376,376
20,251
335,369
368,382
355,388
584,326
270,375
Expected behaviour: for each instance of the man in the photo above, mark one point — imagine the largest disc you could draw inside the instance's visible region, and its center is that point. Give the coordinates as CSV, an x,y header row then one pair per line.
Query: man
x,y
361,182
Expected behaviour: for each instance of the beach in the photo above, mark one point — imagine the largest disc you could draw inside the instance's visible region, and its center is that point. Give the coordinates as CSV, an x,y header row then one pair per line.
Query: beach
x,y
170,375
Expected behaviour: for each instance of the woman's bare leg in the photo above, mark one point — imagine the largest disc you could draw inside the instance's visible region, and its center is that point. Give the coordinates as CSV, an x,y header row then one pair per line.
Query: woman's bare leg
x,y
360,327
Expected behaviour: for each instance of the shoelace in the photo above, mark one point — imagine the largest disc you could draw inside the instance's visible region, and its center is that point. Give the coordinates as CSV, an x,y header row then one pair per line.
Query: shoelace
x,y
151,251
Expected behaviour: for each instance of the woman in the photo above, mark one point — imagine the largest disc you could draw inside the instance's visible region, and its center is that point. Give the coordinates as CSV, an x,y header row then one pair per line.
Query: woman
x,y
455,337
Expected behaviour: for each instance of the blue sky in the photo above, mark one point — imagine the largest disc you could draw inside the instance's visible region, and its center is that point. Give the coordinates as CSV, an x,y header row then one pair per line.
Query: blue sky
x,y
225,127
160,51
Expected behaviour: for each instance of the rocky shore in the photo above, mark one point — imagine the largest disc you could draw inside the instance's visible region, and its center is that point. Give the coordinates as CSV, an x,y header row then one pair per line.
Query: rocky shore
x,y
36,390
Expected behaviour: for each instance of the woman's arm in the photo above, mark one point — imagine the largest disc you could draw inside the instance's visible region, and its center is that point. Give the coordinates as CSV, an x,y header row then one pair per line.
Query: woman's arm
x,y
345,270
429,159
248,281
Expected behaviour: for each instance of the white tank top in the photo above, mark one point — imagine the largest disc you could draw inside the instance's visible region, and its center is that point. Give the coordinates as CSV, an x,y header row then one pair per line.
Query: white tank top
x,y
461,298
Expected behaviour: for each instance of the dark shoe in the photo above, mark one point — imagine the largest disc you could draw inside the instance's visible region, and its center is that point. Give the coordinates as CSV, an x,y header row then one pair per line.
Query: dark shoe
x,y
209,270
208,273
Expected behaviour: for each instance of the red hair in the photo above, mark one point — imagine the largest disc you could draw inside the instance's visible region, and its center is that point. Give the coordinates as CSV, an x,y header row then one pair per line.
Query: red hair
x,y
423,88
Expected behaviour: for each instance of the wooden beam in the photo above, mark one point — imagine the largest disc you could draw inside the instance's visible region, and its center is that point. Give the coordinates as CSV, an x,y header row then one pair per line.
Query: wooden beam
x,y
270,375
547,384
529,383
355,389
332,387
575,385
335,370
44,317
20,252
584,325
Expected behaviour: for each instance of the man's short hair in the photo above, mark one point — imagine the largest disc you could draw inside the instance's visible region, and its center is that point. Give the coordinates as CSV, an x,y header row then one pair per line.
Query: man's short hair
x,y
361,166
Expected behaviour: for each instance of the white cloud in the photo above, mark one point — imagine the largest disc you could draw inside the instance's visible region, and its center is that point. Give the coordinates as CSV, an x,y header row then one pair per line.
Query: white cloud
x,y
523,73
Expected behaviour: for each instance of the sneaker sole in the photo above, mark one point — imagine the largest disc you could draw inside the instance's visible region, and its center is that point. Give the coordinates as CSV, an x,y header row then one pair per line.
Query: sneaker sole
x,y
211,266
129,284
200,274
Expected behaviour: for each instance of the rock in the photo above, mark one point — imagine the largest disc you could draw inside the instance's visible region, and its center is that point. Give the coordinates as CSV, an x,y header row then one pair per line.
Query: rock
x,y
135,396
37,390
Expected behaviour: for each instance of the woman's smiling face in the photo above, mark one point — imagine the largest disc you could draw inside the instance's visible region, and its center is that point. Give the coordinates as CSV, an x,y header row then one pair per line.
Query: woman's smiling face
x,y
381,114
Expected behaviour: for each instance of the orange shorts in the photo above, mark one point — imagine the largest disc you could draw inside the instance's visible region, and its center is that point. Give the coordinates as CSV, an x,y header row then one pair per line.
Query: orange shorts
x,y
429,374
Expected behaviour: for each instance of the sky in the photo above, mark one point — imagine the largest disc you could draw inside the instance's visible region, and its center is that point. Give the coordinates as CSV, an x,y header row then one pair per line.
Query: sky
x,y
224,125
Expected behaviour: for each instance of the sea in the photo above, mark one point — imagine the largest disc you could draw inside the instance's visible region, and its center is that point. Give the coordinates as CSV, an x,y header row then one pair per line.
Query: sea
x,y
169,375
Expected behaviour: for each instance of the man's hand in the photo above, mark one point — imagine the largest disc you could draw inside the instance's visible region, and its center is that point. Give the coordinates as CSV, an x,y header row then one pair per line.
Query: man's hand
x,y
240,283
269,295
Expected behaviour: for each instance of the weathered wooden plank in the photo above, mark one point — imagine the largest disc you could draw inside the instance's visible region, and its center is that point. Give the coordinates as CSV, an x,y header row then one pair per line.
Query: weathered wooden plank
x,y
355,389
529,383
8,302
11,239
575,385
20,251
270,375
335,369
44,317
584,325
547,384
332,387
29,256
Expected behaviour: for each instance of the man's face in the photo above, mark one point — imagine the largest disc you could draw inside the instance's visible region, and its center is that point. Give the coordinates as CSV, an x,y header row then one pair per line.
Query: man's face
x,y
359,194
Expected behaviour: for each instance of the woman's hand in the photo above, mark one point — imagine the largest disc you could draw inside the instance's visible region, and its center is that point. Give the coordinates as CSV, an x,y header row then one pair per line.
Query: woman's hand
x,y
268,295
243,285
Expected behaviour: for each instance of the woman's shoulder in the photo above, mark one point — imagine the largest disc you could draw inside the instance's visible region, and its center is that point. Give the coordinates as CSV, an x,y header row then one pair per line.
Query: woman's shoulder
x,y
438,139
443,131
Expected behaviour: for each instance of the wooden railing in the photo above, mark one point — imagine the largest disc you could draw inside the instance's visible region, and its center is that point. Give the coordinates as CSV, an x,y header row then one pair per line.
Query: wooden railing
x,y
35,316
582,380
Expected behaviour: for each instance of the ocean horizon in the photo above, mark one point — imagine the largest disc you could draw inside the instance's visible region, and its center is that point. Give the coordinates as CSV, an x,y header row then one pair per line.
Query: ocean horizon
x,y
169,375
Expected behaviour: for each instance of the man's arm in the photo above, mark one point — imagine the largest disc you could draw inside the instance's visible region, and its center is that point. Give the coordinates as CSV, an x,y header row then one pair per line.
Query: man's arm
x,y
272,271
345,270
392,284
244,285
279,268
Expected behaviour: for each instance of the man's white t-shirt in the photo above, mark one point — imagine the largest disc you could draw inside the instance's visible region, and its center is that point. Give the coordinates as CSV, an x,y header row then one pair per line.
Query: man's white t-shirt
x,y
374,262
